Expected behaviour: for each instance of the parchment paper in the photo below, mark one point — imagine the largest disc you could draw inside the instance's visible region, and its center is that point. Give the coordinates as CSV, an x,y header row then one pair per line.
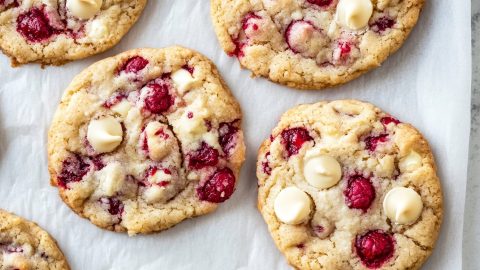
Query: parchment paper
x,y
426,83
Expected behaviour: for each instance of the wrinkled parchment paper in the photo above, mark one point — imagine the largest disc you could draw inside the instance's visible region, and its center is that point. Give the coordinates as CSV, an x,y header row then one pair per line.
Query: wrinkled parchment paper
x,y
426,83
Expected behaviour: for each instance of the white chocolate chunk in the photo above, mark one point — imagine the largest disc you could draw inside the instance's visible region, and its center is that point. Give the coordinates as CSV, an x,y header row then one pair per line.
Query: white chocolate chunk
x,y
402,205
159,140
97,29
154,194
354,14
160,176
122,108
292,206
411,162
104,134
191,128
184,80
15,260
111,178
322,171
84,9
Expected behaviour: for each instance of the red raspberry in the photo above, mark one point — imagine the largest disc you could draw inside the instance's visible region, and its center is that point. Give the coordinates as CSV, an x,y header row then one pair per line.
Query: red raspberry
x,y
321,3
372,142
374,248
388,119
360,193
134,64
73,170
34,25
158,99
203,157
115,206
382,24
294,138
227,132
218,188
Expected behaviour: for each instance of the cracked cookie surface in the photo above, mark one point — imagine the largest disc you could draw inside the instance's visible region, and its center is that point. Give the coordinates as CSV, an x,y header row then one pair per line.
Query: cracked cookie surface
x,y
24,246
380,209
53,32
305,43
146,139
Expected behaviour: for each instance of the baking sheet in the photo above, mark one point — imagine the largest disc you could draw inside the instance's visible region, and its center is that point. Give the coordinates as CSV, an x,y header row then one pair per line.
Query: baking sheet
x,y
427,83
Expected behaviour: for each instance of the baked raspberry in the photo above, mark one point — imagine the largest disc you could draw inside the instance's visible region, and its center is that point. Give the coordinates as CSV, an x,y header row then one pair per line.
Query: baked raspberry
x,y
219,187
158,99
203,157
134,64
73,170
250,22
265,165
34,25
114,100
13,249
360,193
227,132
382,24
238,52
320,3
388,119
98,163
189,69
372,142
304,38
294,138
190,115
114,205
374,248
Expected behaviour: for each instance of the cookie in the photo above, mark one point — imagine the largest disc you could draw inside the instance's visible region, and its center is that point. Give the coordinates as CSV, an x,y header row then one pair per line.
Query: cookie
x,y
312,44
53,32
343,185
146,139
24,246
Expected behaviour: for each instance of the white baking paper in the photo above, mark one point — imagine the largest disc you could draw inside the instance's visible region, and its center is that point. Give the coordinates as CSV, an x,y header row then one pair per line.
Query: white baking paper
x,y
426,83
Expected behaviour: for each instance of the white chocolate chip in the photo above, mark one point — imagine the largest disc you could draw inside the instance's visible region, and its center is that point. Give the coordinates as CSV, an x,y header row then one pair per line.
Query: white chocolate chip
x,y
104,134
97,29
184,80
292,206
159,140
411,162
193,176
402,205
111,178
322,171
84,9
297,15
354,14
122,108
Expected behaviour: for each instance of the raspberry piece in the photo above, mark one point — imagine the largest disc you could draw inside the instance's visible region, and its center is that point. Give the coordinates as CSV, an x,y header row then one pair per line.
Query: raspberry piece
x,y
266,166
158,99
382,24
320,3
98,163
34,25
114,206
227,132
372,142
73,170
218,188
388,119
203,157
294,138
114,100
374,248
360,193
134,64
249,21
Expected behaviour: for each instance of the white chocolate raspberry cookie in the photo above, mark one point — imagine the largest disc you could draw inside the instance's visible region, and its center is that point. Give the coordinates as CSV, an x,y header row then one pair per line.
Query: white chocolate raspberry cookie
x,y
312,44
343,185
25,246
146,139
53,32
